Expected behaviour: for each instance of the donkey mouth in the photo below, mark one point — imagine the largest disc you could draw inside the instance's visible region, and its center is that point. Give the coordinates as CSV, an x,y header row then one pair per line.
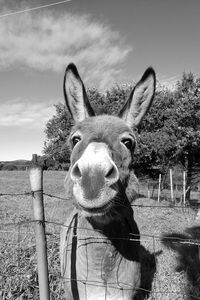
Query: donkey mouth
x,y
96,210
99,203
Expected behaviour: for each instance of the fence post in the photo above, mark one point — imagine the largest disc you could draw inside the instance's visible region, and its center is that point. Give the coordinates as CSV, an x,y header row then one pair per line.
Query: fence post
x,y
171,185
148,190
159,187
36,180
184,187
34,159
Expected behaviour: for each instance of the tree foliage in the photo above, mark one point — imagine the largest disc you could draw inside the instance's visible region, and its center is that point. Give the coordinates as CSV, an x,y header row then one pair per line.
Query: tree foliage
x,y
156,142
58,127
57,130
168,135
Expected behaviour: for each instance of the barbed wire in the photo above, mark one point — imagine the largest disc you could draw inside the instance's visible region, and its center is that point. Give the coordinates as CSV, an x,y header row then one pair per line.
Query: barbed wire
x,y
56,197
143,237
92,283
171,205
16,194
112,286
130,287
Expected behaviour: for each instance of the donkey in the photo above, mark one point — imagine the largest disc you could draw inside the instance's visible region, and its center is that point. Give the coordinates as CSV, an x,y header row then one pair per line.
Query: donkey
x,y
100,241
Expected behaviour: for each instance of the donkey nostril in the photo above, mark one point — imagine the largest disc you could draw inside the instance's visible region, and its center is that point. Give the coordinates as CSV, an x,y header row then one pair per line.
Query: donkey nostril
x,y
112,175
109,173
76,173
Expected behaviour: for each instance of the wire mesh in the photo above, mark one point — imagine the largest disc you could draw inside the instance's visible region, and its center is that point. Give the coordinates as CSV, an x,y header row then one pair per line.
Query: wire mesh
x,y
18,266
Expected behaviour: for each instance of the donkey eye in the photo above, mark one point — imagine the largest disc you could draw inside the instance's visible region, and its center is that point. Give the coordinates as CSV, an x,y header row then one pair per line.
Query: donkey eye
x,y
75,140
129,143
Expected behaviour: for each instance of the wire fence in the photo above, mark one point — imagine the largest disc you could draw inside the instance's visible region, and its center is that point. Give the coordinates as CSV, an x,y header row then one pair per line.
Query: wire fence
x,y
19,270
169,206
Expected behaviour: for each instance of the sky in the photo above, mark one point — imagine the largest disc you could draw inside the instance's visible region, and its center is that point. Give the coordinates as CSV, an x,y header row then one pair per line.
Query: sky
x,y
110,41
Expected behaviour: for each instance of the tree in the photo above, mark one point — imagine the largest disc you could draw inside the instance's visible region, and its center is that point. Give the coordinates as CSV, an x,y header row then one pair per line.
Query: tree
x,y
156,141
59,126
187,125
57,130
9,167
168,135
115,98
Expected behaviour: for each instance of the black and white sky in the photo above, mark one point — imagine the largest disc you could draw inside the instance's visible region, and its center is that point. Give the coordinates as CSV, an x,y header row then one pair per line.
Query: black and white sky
x,y
111,41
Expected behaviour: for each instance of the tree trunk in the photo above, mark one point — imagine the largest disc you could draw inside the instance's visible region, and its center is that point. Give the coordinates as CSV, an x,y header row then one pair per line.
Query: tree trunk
x,y
189,175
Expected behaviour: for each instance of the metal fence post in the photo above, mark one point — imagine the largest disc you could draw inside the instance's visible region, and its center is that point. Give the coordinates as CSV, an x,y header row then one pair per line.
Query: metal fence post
x,y
36,180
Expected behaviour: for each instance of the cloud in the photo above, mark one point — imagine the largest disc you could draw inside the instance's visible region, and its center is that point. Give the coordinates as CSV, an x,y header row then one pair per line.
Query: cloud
x,y
25,114
49,40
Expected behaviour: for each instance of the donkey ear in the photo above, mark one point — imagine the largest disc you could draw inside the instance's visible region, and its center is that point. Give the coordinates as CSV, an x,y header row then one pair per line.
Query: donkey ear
x,y
140,99
75,95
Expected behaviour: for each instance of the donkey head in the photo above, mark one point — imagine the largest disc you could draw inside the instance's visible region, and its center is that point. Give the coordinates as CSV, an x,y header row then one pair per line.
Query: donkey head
x,y
102,146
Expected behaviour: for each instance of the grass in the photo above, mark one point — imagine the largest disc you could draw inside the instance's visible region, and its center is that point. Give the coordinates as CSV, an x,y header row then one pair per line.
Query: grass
x,y
170,269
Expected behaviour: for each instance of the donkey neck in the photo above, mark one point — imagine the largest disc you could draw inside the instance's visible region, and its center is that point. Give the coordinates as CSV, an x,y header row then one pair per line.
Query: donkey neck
x,y
113,223
116,228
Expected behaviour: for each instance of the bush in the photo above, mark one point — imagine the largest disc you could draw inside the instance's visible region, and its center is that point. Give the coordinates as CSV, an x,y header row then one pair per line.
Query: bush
x,y
9,168
65,166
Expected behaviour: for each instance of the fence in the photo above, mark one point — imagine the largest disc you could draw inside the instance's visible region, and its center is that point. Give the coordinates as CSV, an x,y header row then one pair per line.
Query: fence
x,y
168,186
20,274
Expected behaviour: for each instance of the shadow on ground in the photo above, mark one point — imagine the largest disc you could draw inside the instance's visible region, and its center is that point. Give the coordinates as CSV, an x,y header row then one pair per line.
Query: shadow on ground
x,y
187,246
148,269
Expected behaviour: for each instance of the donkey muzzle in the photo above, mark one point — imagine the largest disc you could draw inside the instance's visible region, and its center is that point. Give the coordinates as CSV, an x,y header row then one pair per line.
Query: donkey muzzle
x,y
95,171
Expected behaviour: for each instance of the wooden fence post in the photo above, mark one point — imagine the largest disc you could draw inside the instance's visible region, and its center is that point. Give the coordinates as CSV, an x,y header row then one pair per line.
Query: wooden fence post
x,y
184,188
148,190
159,187
36,180
34,159
171,185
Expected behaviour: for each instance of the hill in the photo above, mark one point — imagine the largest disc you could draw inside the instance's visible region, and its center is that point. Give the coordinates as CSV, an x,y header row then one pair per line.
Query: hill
x,y
15,165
